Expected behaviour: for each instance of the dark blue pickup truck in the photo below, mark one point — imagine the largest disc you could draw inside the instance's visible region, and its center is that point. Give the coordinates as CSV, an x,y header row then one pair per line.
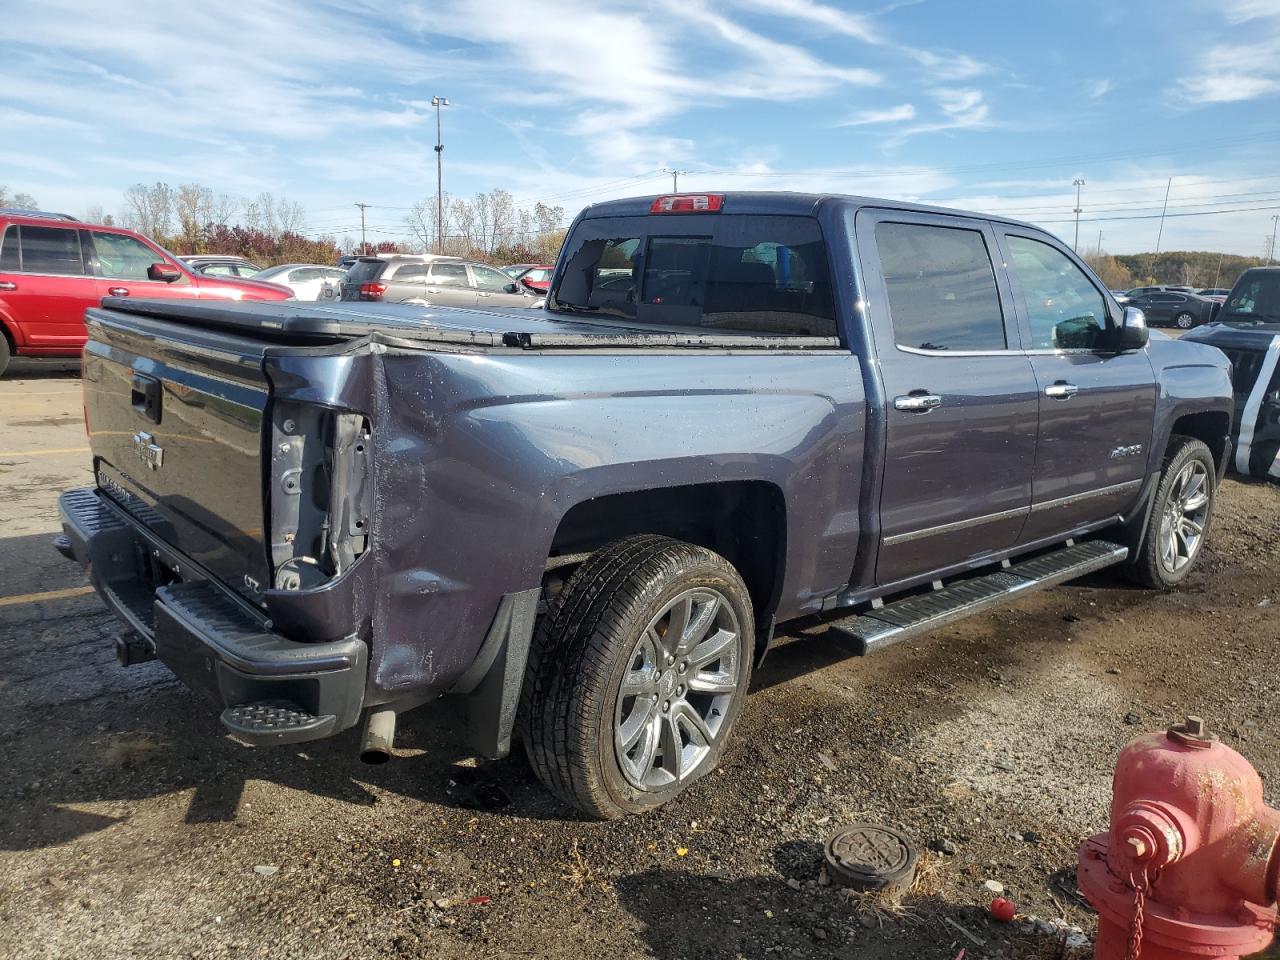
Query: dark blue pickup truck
x,y
582,524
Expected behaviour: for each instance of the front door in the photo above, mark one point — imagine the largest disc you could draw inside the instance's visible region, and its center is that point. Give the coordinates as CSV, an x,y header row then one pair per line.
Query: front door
x,y
46,286
124,263
1097,407
960,393
493,289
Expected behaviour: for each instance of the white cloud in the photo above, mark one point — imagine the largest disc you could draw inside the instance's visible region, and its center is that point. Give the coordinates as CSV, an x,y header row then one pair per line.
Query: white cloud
x,y
1099,88
1245,68
898,114
942,66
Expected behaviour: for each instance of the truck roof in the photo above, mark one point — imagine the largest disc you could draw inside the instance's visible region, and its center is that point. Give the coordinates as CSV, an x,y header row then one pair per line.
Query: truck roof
x,y
785,202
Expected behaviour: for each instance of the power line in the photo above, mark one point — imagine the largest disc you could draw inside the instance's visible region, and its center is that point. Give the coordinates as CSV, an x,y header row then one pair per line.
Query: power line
x,y
1156,216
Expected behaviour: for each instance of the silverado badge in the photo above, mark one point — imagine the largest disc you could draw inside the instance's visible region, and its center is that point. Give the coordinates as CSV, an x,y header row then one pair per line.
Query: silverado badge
x,y
148,451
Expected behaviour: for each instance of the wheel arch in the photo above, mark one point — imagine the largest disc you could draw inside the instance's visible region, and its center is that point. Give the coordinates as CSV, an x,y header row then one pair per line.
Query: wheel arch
x,y
742,520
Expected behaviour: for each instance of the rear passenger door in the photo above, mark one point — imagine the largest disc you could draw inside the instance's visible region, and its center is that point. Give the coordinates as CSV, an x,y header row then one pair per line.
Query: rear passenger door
x,y
46,285
961,396
449,285
1097,407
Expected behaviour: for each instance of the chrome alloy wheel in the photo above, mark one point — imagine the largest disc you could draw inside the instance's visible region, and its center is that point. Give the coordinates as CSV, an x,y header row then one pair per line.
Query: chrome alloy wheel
x,y
1185,512
675,694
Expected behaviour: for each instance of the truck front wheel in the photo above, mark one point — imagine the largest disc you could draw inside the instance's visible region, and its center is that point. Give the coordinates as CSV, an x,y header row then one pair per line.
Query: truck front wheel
x,y
636,674
1180,516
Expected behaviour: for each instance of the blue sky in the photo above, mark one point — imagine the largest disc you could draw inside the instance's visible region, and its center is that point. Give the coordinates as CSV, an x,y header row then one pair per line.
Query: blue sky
x,y
995,106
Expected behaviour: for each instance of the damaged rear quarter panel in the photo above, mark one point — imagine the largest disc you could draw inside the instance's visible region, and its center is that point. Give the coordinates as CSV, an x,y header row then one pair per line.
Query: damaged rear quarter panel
x,y
479,455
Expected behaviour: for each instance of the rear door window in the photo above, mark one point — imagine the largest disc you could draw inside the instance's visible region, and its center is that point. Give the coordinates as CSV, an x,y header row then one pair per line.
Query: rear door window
x,y
733,274
449,275
941,286
52,250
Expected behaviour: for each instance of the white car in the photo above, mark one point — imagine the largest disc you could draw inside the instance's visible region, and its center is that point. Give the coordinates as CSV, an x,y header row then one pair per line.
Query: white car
x,y
308,281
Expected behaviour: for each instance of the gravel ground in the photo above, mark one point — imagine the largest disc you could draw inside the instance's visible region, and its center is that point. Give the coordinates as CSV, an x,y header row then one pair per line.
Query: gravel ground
x,y
131,827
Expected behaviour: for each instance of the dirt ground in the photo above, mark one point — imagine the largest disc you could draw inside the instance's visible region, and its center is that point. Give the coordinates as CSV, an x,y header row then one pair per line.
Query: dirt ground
x,y
130,826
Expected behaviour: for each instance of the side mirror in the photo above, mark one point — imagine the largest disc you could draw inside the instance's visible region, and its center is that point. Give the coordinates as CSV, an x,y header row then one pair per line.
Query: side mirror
x,y
1134,334
511,288
164,271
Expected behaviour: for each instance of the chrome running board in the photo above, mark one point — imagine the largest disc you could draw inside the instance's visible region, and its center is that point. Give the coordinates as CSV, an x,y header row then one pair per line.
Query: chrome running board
x,y
901,619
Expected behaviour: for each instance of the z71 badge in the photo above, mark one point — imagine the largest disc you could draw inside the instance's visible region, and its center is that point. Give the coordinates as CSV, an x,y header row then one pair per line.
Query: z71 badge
x,y
148,451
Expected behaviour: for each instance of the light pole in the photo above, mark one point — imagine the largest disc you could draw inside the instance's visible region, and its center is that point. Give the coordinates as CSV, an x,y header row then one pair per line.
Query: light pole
x,y
1163,210
439,102
1271,254
364,245
1078,182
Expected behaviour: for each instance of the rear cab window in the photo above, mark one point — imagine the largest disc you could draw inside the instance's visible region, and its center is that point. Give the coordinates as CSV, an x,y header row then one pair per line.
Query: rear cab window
x,y
1254,299
750,274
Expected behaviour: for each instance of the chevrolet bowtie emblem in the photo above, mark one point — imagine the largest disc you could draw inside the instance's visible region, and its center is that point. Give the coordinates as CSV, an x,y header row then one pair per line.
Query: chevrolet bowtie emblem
x,y
148,451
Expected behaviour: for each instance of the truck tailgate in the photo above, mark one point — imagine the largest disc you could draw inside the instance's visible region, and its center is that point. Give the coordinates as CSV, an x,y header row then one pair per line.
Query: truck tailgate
x,y
175,417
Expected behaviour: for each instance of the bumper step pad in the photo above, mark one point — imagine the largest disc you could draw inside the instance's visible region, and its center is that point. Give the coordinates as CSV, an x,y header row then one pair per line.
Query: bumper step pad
x,y
272,719
902,619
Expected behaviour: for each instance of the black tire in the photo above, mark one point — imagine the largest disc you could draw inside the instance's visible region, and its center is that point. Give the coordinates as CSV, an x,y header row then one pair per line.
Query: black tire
x,y
1149,567
584,648
5,354
1184,321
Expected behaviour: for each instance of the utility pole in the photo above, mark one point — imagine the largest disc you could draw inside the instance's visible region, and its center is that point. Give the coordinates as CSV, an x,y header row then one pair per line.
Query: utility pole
x,y
439,102
1160,235
364,244
1218,272
675,178
1271,253
1078,182
1099,243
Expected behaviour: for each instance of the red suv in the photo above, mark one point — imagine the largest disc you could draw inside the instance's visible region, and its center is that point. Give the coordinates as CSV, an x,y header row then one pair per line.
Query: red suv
x,y
52,267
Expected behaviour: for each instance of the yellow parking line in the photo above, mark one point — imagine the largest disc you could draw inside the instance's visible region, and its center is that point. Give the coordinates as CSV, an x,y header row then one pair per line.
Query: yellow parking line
x,y
47,595
42,453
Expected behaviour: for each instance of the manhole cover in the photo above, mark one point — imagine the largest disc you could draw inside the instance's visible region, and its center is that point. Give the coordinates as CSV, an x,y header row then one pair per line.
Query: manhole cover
x,y
871,857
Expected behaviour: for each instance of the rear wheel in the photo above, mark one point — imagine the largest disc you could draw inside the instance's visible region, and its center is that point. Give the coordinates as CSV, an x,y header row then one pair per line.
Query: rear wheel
x,y
5,354
636,675
1184,321
1180,516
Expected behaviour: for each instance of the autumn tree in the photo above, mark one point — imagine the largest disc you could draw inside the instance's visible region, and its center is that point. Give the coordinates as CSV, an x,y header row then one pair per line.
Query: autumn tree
x,y
1114,274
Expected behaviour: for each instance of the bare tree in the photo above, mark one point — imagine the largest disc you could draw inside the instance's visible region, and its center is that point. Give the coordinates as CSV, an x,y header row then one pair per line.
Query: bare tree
x,y
421,221
502,220
94,214
291,217
192,203
19,200
149,210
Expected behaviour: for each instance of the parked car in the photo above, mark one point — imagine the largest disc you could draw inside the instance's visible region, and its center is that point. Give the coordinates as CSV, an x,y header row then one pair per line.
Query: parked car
x,y
345,261
515,269
52,267
582,525
308,281
1177,309
430,280
217,265
1214,293
1248,332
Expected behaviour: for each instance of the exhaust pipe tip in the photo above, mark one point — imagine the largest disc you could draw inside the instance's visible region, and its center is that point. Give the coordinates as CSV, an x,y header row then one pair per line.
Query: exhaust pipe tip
x,y
379,732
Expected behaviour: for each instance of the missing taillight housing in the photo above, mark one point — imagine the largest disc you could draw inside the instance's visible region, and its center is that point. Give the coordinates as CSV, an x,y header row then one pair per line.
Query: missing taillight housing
x,y
688,203
318,493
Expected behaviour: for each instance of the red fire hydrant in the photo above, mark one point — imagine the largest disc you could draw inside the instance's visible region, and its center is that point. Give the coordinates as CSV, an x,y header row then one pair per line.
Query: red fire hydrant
x,y
1190,866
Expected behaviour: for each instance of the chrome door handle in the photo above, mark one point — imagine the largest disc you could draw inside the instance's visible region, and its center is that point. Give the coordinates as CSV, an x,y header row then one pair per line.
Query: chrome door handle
x,y
118,291
1061,391
433,290
6,285
483,294
917,402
